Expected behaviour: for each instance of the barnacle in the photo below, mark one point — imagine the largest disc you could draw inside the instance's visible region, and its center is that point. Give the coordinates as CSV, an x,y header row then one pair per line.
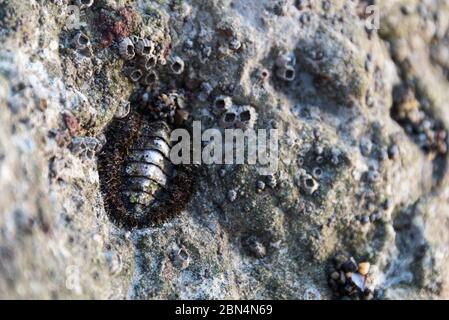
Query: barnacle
x,y
222,104
84,4
243,117
144,47
81,41
135,39
150,78
286,67
177,65
246,117
134,74
127,49
309,184
286,73
254,247
164,106
262,75
84,147
228,119
148,62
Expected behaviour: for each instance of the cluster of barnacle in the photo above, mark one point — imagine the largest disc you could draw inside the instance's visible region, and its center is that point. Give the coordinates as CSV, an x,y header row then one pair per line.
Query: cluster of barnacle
x,y
349,279
270,181
285,67
427,132
143,55
376,213
315,158
81,41
234,116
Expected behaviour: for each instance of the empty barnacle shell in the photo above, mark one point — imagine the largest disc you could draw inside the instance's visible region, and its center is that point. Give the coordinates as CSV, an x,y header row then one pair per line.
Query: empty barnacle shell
x,y
134,74
309,184
246,117
221,104
81,41
286,73
177,65
144,47
148,62
127,49
84,4
317,173
228,119
150,78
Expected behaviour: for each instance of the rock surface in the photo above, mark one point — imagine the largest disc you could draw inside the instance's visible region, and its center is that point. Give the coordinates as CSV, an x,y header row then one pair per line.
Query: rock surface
x,y
361,113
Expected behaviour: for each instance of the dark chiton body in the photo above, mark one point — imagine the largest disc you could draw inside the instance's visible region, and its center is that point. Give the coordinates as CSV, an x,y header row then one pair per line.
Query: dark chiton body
x,y
147,170
141,187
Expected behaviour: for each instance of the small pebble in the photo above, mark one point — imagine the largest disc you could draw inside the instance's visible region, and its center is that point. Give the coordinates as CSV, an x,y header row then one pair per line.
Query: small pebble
x,y
348,280
364,268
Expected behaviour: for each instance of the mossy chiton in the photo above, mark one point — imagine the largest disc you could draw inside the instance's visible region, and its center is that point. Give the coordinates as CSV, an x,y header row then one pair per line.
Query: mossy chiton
x,y
140,186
